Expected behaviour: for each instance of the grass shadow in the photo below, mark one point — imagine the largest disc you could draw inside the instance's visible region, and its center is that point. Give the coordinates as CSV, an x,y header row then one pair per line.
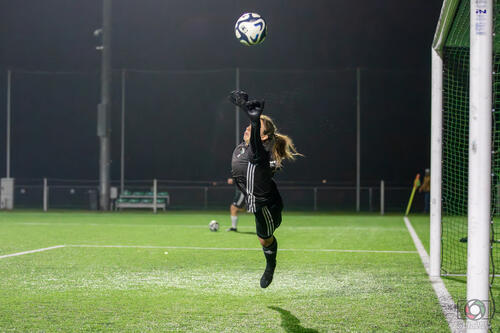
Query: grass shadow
x,y
463,280
290,323
247,233
456,279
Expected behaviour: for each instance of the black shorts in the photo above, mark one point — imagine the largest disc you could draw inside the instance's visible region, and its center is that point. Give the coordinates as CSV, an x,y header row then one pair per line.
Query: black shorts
x,y
268,219
239,199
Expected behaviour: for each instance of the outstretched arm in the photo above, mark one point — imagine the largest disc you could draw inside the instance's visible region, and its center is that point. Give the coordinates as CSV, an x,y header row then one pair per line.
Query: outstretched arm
x,y
253,109
260,154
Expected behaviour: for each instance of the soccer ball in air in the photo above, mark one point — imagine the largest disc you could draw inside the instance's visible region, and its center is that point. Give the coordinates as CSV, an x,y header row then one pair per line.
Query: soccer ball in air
x,y
250,29
213,225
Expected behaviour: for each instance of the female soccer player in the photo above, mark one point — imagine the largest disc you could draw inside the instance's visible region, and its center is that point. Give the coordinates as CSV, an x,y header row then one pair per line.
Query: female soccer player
x,y
253,164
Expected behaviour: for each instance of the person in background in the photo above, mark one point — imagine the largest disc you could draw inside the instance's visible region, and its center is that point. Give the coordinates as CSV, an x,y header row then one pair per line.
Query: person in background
x,y
426,189
237,205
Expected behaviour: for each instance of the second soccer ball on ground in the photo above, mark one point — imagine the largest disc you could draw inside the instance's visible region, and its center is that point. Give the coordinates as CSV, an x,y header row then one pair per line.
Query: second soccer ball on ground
x,y
213,225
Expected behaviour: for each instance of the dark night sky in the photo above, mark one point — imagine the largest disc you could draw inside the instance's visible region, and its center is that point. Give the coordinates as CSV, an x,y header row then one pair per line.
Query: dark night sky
x,y
383,37
180,34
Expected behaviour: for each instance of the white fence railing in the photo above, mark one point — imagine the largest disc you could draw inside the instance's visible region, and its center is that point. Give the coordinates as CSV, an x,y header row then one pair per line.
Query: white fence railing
x,y
49,194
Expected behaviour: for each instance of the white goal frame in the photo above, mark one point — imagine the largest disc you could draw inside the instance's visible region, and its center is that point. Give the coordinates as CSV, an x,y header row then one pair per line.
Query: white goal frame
x,y
480,117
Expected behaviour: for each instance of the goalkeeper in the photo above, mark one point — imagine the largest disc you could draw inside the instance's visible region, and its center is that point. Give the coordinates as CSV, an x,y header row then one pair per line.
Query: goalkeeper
x,y
253,164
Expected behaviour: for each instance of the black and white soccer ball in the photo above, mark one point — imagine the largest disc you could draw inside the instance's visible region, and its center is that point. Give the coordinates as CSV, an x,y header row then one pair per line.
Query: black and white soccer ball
x,y
250,29
213,225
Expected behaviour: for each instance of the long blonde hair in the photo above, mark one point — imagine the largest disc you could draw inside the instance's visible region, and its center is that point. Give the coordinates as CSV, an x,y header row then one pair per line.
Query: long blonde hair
x,y
283,147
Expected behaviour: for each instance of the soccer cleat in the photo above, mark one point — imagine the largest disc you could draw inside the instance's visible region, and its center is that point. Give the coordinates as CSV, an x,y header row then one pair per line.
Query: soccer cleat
x,y
267,277
232,229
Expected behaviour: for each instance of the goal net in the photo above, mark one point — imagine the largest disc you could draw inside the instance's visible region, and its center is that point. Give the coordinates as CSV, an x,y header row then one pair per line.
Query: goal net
x,y
452,42
455,145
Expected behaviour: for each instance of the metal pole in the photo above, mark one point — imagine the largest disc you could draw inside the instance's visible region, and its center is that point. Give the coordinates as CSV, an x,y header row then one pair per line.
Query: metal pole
x,y
382,197
122,159
104,130
45,195
358,138
479,194
370,198
315,199
237,112
155,194
436,158
9,79
205,203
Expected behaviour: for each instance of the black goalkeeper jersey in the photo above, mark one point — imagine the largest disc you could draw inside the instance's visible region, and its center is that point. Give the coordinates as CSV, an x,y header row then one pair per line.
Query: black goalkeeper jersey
x,y
253,170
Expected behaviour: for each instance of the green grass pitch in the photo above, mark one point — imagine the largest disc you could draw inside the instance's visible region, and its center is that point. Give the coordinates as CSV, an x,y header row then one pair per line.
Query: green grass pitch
x,y
176,275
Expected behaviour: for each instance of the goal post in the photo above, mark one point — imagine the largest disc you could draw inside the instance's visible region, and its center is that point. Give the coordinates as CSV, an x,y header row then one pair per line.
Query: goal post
x,y
480,150
436,133
448,11
465,150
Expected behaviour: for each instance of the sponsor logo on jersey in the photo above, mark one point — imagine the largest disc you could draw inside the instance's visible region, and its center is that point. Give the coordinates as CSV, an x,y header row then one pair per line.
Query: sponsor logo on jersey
x,y
242,151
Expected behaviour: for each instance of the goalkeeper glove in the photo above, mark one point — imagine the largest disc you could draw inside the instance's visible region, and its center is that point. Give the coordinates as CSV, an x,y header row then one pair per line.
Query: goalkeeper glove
x,y
252,108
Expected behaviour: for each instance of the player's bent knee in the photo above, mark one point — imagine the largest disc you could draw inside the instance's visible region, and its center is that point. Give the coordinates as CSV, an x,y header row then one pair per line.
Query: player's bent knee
x,y
267,241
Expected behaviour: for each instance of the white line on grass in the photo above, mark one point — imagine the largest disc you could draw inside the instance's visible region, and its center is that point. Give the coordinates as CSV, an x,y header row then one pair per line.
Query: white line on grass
x,y
31,251
233,248
198,248
203,226
445,300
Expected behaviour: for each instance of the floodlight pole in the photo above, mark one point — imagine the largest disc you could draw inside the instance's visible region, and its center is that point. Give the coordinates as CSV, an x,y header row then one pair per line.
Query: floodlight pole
x,y
358,138
104,110
122,157
9,81
436,159
479,197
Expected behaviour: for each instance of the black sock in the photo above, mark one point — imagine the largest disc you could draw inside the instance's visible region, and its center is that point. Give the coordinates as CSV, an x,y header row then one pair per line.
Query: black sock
x,y
270,253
